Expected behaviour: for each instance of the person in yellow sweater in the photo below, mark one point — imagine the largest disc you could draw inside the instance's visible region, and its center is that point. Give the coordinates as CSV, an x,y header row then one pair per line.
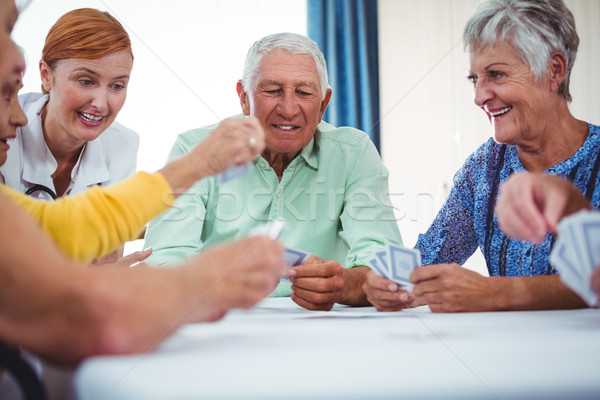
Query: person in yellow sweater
x,y
54,308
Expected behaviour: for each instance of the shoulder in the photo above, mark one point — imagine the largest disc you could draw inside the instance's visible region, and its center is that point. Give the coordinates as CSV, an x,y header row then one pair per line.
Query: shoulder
x,y
344,135
594,129
488,155
482,165
345,141
594,133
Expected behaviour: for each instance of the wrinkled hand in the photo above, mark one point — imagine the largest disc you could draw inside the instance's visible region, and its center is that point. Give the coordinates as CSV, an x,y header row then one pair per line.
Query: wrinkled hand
x,y
385,295
116,259
451,288
238,275
317,284
531,205
235,141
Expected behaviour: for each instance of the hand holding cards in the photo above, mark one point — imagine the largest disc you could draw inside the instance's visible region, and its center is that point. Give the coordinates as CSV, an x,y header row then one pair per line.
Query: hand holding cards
x,y
294,258
396,264
577,252
273,230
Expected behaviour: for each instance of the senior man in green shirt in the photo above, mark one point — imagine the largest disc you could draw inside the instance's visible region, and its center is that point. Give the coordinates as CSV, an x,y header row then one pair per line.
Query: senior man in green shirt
x,y
328,184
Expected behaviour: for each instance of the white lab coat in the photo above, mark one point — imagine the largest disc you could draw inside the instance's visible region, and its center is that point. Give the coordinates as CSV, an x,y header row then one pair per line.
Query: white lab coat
x,y
108,159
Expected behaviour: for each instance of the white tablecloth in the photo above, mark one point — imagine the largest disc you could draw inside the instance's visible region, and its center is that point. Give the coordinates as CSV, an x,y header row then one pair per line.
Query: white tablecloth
x,y
279,350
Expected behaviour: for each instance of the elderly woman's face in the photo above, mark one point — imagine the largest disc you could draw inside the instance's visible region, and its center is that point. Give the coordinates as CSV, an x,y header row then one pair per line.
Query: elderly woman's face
x,y
505,89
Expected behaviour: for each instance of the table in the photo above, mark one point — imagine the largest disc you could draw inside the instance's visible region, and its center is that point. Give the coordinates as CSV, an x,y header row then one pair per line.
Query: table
x,y
280,351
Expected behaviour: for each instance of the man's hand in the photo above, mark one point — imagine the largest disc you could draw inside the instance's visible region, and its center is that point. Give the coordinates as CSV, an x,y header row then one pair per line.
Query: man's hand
x,y
385,295
317,284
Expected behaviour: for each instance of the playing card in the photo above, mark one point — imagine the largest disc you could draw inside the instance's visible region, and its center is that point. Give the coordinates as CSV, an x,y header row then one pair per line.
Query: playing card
x,y
395,263
590,236
383,257
378,267
402,261
271,230
294,257
577,252
235,172
562,259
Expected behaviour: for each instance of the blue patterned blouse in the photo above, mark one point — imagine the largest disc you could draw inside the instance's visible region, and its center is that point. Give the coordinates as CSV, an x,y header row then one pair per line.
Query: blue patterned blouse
x,y
467,219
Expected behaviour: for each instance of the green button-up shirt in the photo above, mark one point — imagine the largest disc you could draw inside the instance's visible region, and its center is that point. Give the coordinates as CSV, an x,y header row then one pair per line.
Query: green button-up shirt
x,y
333,198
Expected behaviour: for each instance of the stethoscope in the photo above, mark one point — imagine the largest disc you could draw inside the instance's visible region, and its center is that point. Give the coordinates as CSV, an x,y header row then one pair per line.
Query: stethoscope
x,y
44,192
41,192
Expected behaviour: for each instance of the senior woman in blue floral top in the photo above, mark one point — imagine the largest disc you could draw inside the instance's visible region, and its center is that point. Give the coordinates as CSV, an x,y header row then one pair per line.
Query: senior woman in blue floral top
x,y
521,53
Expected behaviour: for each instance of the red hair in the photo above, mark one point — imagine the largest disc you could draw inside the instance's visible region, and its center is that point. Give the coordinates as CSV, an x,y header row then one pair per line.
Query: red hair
x,y
84,33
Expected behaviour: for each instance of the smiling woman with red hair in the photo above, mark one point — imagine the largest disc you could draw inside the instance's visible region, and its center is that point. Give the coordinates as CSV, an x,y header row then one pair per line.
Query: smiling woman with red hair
x,y
72,141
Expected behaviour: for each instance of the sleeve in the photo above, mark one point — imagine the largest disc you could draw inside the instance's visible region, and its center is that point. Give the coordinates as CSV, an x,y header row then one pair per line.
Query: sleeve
x,y
176,235
451,238
367,219
95,223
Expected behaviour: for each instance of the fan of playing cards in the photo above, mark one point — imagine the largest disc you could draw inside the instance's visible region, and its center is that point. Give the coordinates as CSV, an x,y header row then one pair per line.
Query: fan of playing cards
x,y
396,263
577,252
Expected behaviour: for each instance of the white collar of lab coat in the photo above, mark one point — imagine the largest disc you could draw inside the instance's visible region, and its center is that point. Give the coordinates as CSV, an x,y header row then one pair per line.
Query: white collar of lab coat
x,y
90,169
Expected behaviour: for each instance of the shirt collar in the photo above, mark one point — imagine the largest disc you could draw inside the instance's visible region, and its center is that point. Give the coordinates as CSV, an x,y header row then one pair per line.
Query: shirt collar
x,y
309,152
35,150
90,169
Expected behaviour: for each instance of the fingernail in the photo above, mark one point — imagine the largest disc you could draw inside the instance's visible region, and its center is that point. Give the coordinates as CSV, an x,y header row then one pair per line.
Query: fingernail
x,y
392,287
403,297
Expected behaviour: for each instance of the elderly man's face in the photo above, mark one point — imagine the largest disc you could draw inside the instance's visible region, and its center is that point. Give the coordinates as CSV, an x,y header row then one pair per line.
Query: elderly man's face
x,y
286,100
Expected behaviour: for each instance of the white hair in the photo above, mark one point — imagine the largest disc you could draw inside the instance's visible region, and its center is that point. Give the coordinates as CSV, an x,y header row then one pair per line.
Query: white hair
x,y
536,29
291,42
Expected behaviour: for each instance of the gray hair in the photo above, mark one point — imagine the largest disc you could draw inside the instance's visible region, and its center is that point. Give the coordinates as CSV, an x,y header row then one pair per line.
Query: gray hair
x,y
292,42
536,29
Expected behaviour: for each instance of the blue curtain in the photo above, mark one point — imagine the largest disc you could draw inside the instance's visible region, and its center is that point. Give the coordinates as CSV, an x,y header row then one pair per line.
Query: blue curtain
x,y
346,32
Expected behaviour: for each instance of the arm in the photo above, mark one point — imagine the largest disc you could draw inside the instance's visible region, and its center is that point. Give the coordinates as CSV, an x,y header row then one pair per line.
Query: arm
x,y
451,288
531,205
66,313
368,221
98,221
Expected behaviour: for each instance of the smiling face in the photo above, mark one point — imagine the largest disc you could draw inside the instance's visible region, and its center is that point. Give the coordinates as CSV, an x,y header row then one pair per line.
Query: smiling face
x,y
286,99
505,89
12,66
85,95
